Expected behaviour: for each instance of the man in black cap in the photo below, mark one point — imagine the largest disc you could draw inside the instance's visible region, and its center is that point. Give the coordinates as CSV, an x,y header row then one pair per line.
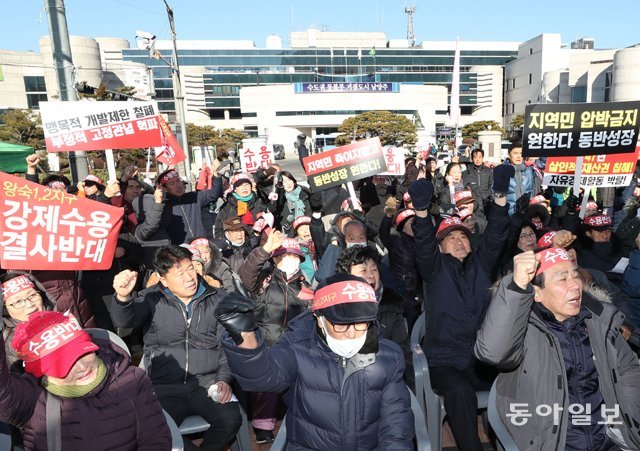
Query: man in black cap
x,y
235,245
342,383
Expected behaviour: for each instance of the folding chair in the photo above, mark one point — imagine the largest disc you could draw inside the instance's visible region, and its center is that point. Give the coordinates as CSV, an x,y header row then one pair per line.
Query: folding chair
x,y
430,402
505,441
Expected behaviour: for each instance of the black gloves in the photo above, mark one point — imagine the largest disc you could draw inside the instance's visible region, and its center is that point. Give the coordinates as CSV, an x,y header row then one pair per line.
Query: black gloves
x,y
502,174
421,192
522,203
572,202
235,313
315,201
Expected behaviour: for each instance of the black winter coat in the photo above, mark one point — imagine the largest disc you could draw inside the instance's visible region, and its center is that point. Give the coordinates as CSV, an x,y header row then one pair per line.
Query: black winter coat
x,y
456,293
120,413
230,209
177,345
357,404
402,257
480,178
279,300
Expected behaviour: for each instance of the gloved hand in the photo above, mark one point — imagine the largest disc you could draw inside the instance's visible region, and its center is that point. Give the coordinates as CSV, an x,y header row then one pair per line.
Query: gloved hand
x,y
573,202
236,314
421,192
502,174
391,205
315,201
522,203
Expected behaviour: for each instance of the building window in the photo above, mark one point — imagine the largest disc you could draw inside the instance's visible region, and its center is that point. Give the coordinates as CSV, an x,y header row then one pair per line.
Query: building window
x,y
36,91
530,78
530,50
513,84
578,94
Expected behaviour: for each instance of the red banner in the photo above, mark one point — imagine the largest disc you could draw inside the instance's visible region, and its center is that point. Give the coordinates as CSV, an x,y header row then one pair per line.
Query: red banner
x,y
41,228
86,125
170,153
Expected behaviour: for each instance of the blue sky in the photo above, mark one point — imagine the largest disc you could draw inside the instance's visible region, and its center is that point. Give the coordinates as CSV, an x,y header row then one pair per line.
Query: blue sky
x,y
612,24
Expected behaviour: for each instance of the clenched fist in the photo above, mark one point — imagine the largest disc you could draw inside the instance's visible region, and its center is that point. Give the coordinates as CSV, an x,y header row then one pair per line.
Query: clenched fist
x,y
123,284
525,265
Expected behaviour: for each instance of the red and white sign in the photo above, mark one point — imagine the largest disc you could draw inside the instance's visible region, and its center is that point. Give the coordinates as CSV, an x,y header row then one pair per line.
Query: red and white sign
x,y
395,160
170,152
41,228
256,153
89,125
614,169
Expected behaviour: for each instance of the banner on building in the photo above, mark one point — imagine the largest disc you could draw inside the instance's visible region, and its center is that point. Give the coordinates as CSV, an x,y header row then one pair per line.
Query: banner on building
x,y
597,170
256,153
345,164
307,88
578,129
88,125
170,152
394,156
47,229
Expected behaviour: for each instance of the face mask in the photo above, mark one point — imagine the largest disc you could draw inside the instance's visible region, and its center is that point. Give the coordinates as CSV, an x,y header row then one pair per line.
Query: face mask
x,y
344,348
350,245
289,266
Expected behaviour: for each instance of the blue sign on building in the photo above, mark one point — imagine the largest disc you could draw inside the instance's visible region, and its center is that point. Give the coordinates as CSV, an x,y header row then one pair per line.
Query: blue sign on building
x,y
306,88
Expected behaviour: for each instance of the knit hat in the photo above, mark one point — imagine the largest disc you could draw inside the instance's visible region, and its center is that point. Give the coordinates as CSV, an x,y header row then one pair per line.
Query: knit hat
x,y
450,224
345,299
289,246
50,343
550,257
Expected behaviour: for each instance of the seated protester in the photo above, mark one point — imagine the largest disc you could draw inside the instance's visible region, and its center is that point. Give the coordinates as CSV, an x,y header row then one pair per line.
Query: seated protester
x,y
242,202
363,262
198,264
354,233
282,293
92,187
555,344
296,202
214,267
457,281
631,284
302,233
521,239
401,247
22,295
629,220
182,370
538,212
471,212
103,402
453,183
342,383
235,245
183,219
51,181
131,190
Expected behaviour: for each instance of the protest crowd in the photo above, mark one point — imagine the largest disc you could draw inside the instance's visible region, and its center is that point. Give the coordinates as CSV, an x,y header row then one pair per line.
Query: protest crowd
x,y
260,293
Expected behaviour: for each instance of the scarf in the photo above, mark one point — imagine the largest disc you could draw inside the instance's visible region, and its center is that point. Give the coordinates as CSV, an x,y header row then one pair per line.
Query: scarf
x,y
519,178
296,206
243,208
76,391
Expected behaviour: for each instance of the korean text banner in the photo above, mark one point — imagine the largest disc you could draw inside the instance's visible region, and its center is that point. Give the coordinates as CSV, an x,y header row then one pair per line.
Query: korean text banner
x,y
254,154
170,153
394,156
597,170
41,228
345,164
87,125
578,129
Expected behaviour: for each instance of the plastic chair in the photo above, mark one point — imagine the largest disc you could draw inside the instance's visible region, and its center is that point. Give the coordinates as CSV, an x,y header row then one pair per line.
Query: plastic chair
x,y
430,402
422,436
505,441
107,335
195,424
177,444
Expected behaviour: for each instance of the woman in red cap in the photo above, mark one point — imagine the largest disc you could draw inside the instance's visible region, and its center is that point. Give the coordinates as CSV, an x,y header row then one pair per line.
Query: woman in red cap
x,y
77,393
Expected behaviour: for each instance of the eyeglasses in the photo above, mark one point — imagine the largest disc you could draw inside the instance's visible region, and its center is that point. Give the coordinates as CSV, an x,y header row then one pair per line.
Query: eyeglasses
x,y
343,328
90,184
22,303
524,236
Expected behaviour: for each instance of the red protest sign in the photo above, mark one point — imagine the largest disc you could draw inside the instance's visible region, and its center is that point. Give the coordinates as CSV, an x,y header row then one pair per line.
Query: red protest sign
x,y
394,157
345,164
41,228
170,152
86,125
597,170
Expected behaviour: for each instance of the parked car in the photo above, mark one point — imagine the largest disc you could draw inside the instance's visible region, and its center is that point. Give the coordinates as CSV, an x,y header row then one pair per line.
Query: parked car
x,y
443,159
278,151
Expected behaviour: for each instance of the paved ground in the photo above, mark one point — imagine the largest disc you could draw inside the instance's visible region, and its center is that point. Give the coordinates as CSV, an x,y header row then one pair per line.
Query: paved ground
x,y
292,164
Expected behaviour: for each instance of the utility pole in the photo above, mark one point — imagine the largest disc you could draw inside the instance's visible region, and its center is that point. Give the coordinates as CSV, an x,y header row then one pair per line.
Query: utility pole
x,y
410,11
177,86
63,65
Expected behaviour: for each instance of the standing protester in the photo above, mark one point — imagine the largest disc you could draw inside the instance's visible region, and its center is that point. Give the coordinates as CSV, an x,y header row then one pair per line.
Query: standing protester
x,y
525,179
296,202
81,393
342,383
479,176
242,202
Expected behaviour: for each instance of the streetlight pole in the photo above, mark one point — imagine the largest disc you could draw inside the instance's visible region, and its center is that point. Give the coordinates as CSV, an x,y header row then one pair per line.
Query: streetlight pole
x,y
179,96
62,61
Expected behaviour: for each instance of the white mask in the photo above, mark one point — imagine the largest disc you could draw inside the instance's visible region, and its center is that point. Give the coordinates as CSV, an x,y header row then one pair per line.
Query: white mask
x,y
289,266
344,348
350,245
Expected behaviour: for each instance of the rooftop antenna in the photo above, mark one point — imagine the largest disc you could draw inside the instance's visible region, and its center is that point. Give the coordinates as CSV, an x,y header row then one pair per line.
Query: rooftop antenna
x,y
410,11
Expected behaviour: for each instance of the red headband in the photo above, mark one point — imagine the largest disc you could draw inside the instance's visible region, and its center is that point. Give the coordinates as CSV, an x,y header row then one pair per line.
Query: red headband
x,y
598,221
168,176
546,240
200,242
551,257
16,285
343,293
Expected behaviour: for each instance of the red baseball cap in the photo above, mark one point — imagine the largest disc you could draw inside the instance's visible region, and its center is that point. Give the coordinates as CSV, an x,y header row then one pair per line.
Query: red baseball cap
x,y
289,246
450,224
